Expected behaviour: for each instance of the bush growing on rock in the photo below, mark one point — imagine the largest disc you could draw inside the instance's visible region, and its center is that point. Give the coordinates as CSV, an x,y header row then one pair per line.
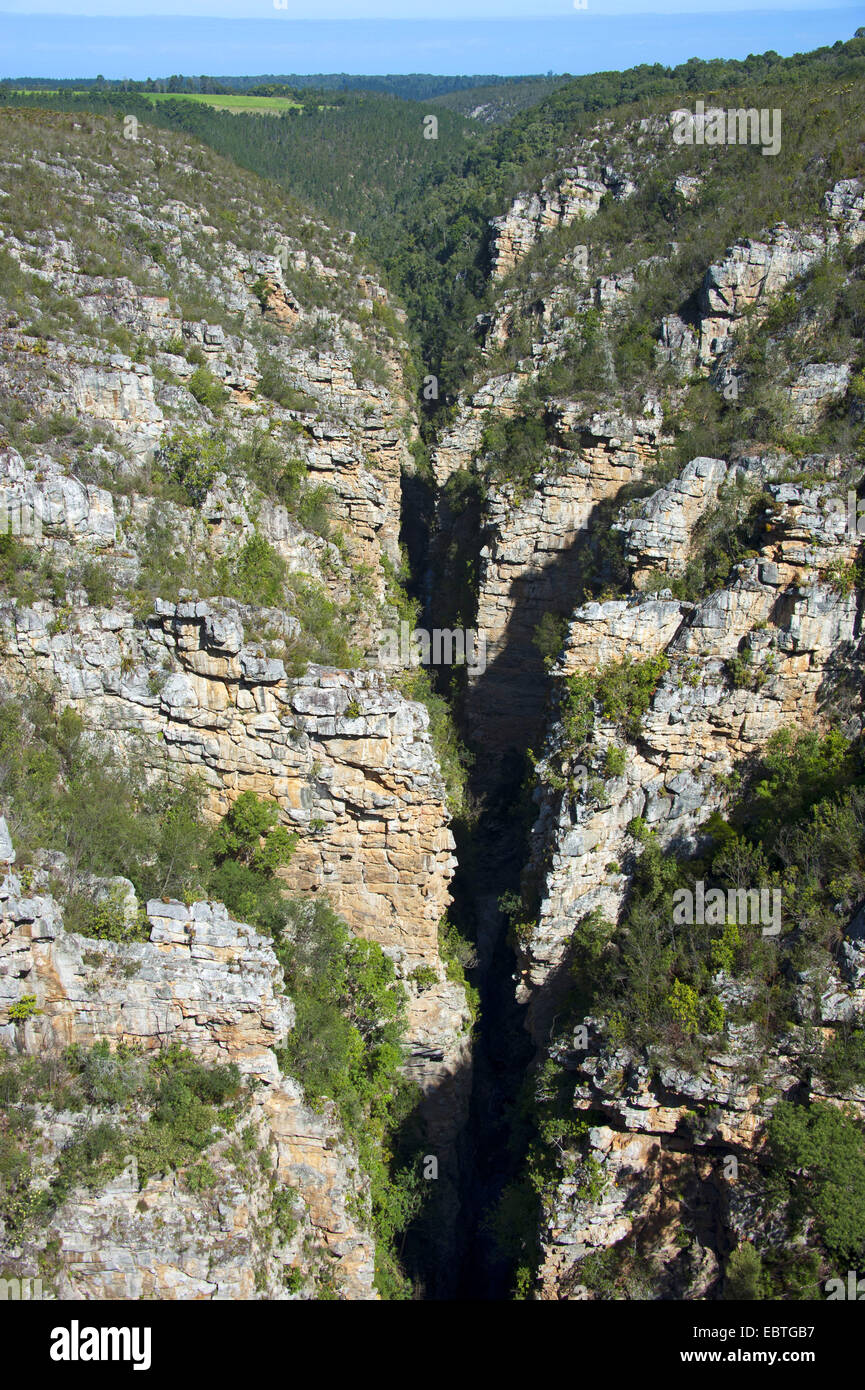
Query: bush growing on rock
x,y
549,636
324,635
623,690
97,582
256,575
347,1045
192,462
207,390
820,1153
842,1063
515,448
744,1279
275,385
108,919
263,460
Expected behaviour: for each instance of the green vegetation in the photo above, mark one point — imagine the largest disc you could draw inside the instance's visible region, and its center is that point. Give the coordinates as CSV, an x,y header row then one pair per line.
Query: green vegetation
x,y
63,791
797,825
821,321
615,761
798,828
274,384
451,754
744,1279
314,146
796,818
346,1045
106,918
441,259
727,534
820,1151
24,1008
163,1109
515,448
192,462
549,638
425,205
248,847
257,575
233,102
841,1065
59,789
458,956
622,691
207,390
28,574
324,637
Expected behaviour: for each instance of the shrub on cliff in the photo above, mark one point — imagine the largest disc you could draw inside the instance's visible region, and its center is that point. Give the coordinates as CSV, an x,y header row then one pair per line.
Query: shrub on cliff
x,y
515,448
549,636
207,390
324,635
263,460
63,788
256,575
248,848
842,1062
27,575
191,461
622,690
275,385
744,1280
820,1154
107,919
452,756
346,1045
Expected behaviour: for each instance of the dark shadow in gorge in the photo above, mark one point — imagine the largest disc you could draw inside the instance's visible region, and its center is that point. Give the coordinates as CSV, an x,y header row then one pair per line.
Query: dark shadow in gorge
x,y
417,510
502,715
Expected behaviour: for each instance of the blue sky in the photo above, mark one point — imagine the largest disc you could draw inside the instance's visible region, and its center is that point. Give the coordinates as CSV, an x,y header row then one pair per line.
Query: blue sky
x,y
405,9
153,38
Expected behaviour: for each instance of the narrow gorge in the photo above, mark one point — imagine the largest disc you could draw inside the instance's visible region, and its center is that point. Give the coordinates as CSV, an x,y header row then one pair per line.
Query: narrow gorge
x,y
328,974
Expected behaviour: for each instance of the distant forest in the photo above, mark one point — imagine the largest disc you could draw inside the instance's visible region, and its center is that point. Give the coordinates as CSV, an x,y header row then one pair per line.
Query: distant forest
x,y
416,86
423,206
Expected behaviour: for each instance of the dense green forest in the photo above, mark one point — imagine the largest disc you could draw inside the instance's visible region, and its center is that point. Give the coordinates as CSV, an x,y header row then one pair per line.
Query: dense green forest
x,y
415,86
440,257
424,205
347,153
494,103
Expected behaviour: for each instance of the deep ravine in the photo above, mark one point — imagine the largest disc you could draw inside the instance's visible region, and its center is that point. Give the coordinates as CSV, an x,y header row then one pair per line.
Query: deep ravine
x,y
492,844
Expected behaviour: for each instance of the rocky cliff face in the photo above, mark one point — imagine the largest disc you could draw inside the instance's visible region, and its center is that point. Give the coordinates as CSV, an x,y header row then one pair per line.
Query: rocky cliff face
x,y
362,786
664,1181
207,411
200,390
531,560
325,383
669,1180
575,193
669,1183
212,985
796,630
346,758
754,272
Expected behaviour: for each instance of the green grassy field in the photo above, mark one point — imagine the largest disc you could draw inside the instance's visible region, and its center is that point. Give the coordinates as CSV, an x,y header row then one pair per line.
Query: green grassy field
x,y
235,101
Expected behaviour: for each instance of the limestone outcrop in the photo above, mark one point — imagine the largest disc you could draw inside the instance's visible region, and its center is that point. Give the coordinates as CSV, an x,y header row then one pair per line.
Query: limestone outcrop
x,y
212,985
347,759
659,535
530,560
792,626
